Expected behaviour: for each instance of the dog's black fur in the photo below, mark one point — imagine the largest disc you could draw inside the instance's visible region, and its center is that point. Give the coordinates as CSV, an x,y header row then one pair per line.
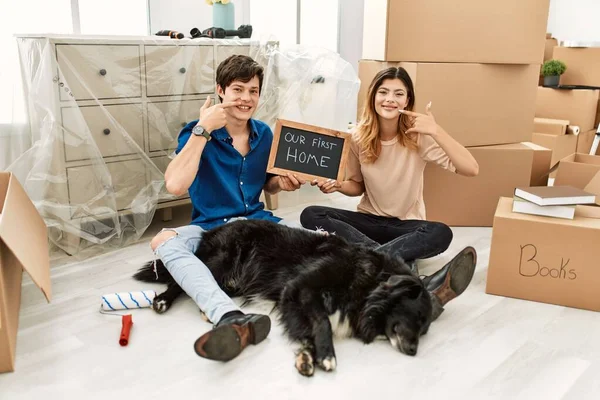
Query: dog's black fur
x,y
311,276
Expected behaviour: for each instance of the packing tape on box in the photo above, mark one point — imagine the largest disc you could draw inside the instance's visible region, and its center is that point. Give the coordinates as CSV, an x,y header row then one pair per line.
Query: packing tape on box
x,y
127,300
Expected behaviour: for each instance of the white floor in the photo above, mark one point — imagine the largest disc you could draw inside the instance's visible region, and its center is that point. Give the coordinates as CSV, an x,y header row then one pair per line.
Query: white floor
x,y
482,347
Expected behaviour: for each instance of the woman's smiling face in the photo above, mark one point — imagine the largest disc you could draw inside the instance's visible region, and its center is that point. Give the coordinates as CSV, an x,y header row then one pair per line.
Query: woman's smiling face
x,y
391,97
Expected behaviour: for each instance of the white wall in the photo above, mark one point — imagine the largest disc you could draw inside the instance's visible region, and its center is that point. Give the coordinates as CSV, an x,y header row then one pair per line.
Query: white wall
x,y
183,15
266,27
319,23
351,31
575,20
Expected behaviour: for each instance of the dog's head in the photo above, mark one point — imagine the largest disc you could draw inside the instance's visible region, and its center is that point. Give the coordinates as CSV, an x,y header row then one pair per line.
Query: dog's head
x,y
399,308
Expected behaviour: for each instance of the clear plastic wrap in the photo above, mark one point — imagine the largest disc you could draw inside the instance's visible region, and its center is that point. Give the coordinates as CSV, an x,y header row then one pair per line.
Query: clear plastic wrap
x,y
104,114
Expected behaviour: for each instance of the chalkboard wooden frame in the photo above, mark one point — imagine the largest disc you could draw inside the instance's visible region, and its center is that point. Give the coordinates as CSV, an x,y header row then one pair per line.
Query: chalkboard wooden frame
x,y
281,123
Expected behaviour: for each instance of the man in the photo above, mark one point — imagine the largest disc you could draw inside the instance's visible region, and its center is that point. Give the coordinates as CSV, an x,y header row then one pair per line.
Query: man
x,y
221,160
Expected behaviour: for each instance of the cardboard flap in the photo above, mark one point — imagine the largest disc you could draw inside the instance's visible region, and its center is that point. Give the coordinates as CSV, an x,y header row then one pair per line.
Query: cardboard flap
x,y
594,187
24,232
569,158
577,170
557,164
587,211
536,147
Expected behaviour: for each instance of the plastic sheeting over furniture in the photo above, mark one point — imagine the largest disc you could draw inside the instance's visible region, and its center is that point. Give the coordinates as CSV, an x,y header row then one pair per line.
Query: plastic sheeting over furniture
x,y
104,114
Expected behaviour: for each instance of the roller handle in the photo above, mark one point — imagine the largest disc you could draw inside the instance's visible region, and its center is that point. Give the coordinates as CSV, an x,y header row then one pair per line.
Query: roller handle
x,y
127,323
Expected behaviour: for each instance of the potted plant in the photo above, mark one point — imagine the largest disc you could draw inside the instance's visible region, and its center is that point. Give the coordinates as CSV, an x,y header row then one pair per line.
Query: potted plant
x,y
552,70
223,13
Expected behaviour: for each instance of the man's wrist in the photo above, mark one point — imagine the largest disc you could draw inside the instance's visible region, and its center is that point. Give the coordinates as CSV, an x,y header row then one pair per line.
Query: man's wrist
x,y
206,127
200,130
192,136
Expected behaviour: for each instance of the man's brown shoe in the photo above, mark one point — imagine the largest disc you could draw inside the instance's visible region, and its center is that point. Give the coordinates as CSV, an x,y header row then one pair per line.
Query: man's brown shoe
x,y
231,335
450,281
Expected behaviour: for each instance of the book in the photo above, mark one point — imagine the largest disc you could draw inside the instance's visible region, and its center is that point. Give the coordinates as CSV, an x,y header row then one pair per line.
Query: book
x,y
555,195
526,207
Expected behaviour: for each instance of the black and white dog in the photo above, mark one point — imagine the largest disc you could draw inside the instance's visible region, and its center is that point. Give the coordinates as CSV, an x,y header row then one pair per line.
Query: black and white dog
x,y
316,281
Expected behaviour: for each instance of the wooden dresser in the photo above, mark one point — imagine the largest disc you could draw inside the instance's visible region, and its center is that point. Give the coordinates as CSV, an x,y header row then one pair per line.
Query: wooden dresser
x,y
108,111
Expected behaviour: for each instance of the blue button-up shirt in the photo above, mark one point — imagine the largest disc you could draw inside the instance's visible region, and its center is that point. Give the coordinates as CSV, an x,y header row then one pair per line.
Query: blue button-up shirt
x,y
229,185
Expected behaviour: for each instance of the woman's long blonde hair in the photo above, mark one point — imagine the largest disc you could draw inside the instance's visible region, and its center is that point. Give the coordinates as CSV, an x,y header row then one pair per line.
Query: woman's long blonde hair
x,y
367,131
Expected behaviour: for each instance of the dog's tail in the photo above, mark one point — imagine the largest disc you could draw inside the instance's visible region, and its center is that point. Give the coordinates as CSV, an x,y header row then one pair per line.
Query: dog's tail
x,y
153,272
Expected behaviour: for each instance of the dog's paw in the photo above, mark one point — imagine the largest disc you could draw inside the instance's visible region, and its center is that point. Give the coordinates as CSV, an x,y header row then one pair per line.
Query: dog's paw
x,y
304,363
328,363
323,232
160,305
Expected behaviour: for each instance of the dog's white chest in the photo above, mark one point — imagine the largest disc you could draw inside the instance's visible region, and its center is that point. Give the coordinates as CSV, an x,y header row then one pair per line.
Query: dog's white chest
x,y
340,328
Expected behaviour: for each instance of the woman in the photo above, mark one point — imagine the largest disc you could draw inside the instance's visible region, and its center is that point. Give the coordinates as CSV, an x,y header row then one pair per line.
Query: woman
x,y
389,151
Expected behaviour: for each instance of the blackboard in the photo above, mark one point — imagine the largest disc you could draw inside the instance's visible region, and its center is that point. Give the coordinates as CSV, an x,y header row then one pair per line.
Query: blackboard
x,y
308,151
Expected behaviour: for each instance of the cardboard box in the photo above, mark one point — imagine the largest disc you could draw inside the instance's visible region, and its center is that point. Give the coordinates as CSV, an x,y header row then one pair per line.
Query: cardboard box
x,y
561,146
23,246
577,170
544,259
582,65
542,157
478,104
507,32
550,126
551,43
577,106
585,140
461,201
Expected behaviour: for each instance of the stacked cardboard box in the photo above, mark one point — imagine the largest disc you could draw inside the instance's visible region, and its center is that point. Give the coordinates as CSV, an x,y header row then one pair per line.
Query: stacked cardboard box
x,y
578,107
582,105
557,135
529,257
585,141
582,65
551,43
479,66
545,259
582,70
460,201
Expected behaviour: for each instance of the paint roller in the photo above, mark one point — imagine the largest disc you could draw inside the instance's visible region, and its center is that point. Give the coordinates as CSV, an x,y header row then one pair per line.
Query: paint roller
x,y
126,301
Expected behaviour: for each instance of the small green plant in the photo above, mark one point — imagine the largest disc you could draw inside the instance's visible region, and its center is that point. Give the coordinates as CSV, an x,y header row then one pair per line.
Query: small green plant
x,y
553,68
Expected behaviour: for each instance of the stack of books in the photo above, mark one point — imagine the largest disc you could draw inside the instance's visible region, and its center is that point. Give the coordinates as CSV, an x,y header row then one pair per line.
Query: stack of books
x,y
550,201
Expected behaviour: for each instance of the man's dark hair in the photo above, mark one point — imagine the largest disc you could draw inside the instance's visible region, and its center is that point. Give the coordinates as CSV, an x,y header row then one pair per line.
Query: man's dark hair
x,y
241,68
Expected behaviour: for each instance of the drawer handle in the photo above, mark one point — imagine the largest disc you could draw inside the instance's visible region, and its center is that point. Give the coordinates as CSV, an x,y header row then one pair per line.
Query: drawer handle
x,y
106,131
182,70
102,72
